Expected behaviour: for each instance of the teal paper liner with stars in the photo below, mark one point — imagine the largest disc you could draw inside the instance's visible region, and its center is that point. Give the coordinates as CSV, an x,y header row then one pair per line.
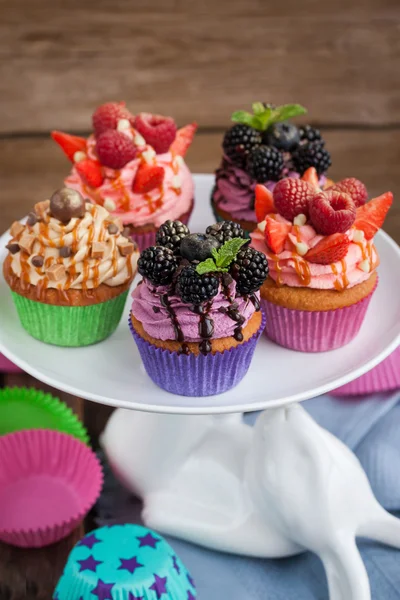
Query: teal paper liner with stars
x,y
124,562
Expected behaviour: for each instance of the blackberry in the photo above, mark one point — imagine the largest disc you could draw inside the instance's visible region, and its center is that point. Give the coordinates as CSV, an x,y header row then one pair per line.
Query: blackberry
x,y
264,163
225,230
250,269
310,134
197,246
158,265
284,136
312,154
171,234
238,141
194,288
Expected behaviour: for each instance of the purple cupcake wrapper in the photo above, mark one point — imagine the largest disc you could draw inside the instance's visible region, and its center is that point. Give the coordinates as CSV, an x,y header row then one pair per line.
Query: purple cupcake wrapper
x,y
314,331
6,366
145,240
382,378
196,375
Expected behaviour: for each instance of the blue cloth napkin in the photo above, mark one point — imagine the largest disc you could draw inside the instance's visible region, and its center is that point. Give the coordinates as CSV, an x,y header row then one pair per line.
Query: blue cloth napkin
x,y
371,428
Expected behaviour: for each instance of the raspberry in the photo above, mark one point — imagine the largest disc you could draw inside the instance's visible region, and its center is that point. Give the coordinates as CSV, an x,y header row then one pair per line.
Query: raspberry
x,y
239,140
115,149
158,265
292,196
225,230
158,131
250,270
107,116
194,288
355,188
332,212
170,235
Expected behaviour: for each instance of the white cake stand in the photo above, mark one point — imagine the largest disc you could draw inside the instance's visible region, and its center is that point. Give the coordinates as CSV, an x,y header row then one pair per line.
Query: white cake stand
x,y
277,489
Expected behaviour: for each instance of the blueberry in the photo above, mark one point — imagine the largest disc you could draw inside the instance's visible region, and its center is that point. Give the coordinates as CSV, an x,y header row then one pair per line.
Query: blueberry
x,y
198,246
284,136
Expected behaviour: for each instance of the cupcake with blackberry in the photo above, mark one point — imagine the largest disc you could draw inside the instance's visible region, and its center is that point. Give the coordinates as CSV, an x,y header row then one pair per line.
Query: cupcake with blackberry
x,y
264,147
133,165
69,269
196,315
322,258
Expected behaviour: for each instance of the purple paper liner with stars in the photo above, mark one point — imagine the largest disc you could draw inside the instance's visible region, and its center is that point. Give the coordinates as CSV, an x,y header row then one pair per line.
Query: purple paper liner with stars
x,y
191,375
124,562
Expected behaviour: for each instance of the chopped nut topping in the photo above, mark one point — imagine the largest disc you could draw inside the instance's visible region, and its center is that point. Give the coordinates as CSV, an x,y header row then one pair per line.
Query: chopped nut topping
x,y
56,272
98,249
26,242
126,248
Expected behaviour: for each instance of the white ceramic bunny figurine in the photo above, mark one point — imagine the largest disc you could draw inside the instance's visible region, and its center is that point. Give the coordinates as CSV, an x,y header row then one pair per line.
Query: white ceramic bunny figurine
x,y
277,489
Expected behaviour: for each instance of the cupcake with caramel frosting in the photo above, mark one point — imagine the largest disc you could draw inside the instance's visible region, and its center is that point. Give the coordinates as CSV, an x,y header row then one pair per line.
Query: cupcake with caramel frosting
x,y
69,269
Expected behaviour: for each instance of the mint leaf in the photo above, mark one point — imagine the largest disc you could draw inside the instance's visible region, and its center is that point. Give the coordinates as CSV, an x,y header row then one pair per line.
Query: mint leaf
x,y
207,266
228,252
258,108
246,118
214,253
288,111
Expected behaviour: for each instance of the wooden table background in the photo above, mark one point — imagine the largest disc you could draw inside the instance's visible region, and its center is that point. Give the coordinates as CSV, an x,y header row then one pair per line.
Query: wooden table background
x,y
196,61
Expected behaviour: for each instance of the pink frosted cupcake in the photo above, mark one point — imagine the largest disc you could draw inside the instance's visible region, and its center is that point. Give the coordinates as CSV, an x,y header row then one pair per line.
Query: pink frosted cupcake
x,y
322,260
264,147
134,167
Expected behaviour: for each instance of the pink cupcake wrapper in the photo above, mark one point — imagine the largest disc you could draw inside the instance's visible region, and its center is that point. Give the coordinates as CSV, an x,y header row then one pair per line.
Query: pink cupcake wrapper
x,y
48,483
6,366
382,378
144,240
314,331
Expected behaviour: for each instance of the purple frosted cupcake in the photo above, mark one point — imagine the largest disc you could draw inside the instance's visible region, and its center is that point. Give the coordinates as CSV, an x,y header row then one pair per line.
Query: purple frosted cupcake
x,y
264,147
196,315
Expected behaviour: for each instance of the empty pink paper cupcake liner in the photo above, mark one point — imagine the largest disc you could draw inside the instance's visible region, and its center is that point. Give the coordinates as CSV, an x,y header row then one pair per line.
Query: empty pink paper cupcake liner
x,y
6,366
145,240
196,375
48,483
383,378
314,331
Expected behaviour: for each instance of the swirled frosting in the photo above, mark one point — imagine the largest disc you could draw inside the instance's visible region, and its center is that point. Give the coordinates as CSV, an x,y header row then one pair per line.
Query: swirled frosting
x,y
170,201
81,254
234,190
290,268
151,309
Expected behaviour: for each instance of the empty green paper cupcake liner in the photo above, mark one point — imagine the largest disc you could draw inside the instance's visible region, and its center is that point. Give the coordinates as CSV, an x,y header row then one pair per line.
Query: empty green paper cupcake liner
x,y
28,408
69,326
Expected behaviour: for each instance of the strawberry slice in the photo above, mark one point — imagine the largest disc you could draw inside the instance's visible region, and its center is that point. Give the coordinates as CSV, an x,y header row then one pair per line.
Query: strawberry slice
x,y
183,139
147,178
90,172
311,176
69,143
370,216
329,250
276,234
264,202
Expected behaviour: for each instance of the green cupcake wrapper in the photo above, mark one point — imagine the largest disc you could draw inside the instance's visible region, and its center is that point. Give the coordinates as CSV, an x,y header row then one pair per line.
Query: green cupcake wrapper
x,y
70,326
28,408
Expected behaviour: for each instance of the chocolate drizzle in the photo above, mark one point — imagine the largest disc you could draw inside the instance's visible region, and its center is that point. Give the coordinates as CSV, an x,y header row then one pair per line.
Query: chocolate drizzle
x,y
206,326
233,311
166,303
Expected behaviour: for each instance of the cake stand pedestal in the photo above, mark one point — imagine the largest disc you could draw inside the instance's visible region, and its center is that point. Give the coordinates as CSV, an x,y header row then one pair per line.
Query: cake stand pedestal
x,y
276,489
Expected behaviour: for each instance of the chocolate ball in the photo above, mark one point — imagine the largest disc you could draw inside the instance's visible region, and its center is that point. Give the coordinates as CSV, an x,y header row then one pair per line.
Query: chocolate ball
x,y
66,204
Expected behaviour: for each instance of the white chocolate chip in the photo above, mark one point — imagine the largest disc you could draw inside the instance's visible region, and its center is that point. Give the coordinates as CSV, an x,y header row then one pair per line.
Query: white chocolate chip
x,y
123,125
109,204
176,182
358,235
79,156
149,155
301,248
178,160
138,140
300,220
261,226
365,266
